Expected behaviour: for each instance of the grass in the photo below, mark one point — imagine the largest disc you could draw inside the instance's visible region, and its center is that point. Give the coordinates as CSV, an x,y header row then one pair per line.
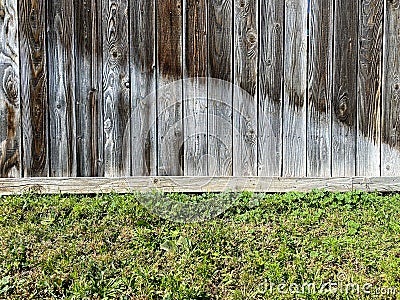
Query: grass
x,y
264,247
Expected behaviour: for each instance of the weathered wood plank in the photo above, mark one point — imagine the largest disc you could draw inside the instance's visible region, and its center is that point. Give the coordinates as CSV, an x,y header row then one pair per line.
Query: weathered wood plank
x,y
34,87
319,88
220,54
245,77
196,184
169,87
295,88
369,88
10,124
116,93
344,88
391,91
270,88
195,88
89,109
61,48
143,94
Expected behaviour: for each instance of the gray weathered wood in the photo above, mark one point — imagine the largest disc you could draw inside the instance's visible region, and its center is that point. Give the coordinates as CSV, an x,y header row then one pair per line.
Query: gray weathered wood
x,y
295,77
116,89
195,88
369,88
220,54
319,88
143,85
270,88
391,91
61,48
169,87
245,96
10,125
344,88
34,85
195,184
89,109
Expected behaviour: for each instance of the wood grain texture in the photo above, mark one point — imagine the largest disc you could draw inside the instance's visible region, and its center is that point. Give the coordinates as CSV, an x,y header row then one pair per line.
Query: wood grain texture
x,y
295,77
245,77
319,88
169,87
195,88
10,125
220,109
89,109
116,89
143,94
270,88
369,88
34,86
61,48
391,91
190,184
345,88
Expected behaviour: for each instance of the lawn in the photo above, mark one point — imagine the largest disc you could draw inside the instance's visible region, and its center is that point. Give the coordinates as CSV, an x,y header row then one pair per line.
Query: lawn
x,y
318,245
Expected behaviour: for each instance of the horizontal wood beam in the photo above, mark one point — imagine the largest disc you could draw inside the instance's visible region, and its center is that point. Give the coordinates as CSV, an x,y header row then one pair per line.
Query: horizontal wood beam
x,y
195,184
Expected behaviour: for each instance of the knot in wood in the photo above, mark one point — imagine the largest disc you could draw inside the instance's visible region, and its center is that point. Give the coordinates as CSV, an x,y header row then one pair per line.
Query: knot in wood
x,y
2,13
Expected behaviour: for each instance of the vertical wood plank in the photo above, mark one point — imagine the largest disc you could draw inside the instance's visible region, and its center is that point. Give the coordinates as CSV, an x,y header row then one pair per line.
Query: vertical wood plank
x,y
34,87
61,88
143,95
319,88
369,88
10,125
391,91
270,87
220,54
116,94
169,87
295,76
195,88
344,88
245,77
88,65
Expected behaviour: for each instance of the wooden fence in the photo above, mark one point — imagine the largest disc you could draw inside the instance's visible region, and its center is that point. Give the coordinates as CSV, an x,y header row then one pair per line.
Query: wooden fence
x,y
112,88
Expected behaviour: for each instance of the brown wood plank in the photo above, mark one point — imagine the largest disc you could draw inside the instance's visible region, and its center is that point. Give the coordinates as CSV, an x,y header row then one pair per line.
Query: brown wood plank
x,y
10,125
169,87
295,77
220,54
319,88
270,87
369,88
60,16
391,91
34,86
116,93
89,112
143,95
344,88
245,98
195,88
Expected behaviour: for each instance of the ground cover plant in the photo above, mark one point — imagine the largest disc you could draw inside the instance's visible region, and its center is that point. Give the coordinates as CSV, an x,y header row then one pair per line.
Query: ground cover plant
x,y
317,245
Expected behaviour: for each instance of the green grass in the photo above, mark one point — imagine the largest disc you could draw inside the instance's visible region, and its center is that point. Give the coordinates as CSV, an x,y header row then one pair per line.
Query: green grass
x,y
111,247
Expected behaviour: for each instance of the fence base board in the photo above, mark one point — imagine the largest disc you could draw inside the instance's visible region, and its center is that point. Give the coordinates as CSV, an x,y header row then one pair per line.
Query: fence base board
x,y
194,184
